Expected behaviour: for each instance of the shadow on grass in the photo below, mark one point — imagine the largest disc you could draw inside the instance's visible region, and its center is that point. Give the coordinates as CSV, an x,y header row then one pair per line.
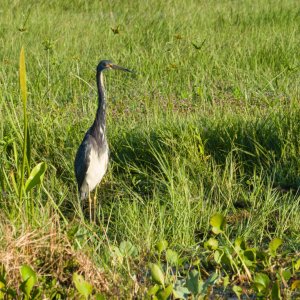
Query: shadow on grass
x,y
269,146
144,160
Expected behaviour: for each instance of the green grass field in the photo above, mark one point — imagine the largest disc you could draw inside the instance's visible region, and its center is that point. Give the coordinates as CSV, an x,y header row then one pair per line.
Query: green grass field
x,y
208,123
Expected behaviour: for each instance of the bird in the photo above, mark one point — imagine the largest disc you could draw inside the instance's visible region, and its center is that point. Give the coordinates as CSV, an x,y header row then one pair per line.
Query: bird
x,y
92,156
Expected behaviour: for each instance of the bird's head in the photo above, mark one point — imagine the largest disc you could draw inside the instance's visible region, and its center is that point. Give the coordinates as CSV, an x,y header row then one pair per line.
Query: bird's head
x,y
108,64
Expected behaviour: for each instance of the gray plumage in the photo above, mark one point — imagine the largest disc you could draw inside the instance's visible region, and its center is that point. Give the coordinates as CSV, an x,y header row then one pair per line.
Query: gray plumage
x,y
92,155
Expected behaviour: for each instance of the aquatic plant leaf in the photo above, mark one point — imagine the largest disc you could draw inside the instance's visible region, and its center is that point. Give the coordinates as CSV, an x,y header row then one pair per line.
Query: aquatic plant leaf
x,y
157,274
274,244
29,279
83,287
161,246
217,222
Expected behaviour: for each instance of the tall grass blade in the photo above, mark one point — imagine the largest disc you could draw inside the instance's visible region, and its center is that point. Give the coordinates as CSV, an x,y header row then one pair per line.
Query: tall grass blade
x,y
23,88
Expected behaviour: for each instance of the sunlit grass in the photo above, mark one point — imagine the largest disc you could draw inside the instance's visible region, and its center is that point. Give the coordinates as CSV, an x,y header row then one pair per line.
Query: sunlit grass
x,y
208,123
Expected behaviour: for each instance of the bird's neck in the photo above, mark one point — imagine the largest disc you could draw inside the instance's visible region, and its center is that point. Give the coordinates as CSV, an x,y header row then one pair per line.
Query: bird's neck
x,y
98,127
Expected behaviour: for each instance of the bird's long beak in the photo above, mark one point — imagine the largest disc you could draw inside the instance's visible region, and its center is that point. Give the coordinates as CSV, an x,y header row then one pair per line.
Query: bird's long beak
x,y
116,67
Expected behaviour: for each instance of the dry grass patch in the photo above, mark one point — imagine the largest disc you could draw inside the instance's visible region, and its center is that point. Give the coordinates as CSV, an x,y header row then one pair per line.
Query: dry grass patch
x,y
49,252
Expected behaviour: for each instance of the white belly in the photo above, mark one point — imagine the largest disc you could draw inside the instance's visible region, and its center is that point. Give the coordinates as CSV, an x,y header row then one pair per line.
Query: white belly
x,y
97,168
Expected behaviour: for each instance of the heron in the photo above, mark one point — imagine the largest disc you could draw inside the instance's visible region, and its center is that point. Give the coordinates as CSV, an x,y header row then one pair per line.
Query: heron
x,y
91,159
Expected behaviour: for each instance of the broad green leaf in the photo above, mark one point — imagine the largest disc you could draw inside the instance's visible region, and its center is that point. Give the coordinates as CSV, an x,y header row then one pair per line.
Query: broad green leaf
x,y
22,75
127,249
212,278
192,282
226,281
218,256
172,257
297,264
249,257
29,279
165,293
2,288
211,244
238,291
161,246
99,297
36,176
286,274
196,262
274,244
261,282
239,244
153,290
180,292
208,282
157,274
275,294
227,258
295,285
83,287
217,222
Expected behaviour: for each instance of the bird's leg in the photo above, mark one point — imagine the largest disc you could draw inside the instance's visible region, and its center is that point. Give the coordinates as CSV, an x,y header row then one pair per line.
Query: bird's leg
x,y
95,203
90,206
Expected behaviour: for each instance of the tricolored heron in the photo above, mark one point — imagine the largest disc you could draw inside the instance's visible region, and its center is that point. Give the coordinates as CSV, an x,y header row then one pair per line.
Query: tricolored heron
x,y
92,155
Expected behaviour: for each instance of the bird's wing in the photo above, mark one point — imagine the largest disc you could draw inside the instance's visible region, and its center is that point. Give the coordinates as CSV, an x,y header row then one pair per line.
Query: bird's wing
x,y
82,160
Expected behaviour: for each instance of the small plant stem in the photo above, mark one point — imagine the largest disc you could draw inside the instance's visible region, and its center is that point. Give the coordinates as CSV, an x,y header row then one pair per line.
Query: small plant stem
x,y
241,259
236,267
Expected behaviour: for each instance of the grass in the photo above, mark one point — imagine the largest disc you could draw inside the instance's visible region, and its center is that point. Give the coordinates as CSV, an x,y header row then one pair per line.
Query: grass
x,y
209,123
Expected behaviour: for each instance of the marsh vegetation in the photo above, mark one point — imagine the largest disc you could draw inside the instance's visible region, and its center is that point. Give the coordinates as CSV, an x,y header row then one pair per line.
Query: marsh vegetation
x,y
205,134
